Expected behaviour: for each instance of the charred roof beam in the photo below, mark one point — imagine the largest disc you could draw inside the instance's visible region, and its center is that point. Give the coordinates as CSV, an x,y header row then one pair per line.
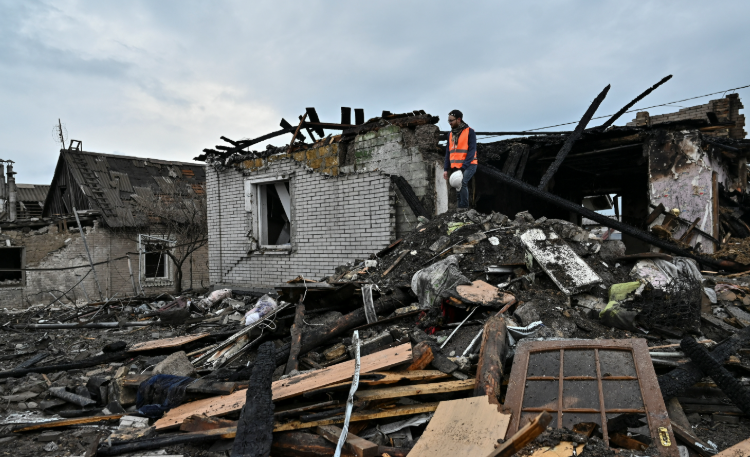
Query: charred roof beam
x,y
573,138
625,108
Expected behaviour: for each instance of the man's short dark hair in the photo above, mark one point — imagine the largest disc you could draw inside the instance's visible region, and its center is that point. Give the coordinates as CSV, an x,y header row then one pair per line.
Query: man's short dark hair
x,y
457,114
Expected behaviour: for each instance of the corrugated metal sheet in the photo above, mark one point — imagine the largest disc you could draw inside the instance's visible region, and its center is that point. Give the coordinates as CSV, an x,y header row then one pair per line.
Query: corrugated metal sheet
x,y
124,181
118,178
32,192
166,185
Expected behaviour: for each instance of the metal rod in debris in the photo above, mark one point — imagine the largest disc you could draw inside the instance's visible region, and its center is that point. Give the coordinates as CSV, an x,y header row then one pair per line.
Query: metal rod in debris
x,y
132,280
459,326
350,400
86,245
79,400
473,342
88,325
368,304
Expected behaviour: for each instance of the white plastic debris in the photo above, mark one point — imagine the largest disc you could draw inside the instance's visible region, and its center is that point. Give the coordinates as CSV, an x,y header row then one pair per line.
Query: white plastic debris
x,y
493,240
264,306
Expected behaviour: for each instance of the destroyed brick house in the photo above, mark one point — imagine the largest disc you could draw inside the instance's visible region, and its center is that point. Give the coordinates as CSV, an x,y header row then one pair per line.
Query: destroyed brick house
x,y
45,258
275,214
353,310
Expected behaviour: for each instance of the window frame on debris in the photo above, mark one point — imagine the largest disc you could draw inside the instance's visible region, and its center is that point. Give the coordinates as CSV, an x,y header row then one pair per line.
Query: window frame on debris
x,y
256,198
154,281
653,407
22,264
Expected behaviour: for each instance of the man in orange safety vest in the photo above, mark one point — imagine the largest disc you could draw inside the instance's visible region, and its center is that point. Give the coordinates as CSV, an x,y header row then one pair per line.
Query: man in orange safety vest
x,y
461,154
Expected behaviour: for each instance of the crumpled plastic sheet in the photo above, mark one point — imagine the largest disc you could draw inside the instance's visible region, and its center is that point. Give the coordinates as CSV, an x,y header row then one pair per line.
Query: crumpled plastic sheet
x,y
262,308
160,393
429,283
662,273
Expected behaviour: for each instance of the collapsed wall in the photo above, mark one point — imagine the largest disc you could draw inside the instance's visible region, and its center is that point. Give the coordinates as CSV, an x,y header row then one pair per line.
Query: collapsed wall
x,y
342,204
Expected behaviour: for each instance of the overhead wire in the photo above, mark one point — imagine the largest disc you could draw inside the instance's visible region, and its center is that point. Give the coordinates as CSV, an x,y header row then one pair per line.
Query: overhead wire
x,y
631,111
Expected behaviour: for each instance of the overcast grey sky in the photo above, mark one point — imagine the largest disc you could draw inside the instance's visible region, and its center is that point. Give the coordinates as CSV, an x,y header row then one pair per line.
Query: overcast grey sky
x,y
165,79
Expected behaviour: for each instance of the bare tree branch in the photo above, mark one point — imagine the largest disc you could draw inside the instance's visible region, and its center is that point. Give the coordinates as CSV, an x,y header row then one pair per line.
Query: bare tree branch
x,y
177,214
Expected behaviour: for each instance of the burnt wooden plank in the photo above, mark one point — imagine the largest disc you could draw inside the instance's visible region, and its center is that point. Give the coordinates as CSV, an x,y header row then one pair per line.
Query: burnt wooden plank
x,y
255,427
491,359
314,119
346,115
573,138
296,332
625,108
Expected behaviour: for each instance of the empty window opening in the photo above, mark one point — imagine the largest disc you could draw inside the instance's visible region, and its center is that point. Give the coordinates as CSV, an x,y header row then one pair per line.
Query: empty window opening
x,y
155,261
11,258
607,205
274,214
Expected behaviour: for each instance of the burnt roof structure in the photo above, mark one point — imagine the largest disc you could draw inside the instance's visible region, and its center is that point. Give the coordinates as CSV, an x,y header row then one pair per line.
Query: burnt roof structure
x,y
107,183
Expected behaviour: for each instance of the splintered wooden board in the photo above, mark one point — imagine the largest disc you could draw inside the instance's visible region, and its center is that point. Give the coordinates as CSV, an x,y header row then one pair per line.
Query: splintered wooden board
x,y
286,388
392,377
564,449
481,292
418,389
166,343
470,426
741,449
67,422
360,416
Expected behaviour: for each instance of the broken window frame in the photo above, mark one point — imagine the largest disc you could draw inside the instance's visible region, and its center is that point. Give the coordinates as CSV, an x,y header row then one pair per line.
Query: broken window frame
x,y
255,197
22,282
143,241
654,408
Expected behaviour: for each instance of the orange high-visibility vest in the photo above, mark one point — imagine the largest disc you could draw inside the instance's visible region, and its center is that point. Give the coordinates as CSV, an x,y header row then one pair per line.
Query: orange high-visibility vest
x,y
459,150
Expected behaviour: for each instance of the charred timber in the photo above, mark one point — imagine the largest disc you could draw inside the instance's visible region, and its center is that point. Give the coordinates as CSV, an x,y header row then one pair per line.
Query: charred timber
x,y
720,145
492,360
412,121
319,335
606,221
739,395
296,331
245,143
255,427
680,379
573,138
90,362
232,142
625,108
514,133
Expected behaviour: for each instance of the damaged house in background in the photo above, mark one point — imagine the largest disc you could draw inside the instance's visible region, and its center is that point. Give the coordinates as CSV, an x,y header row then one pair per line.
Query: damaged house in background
x,y
143,223
308,207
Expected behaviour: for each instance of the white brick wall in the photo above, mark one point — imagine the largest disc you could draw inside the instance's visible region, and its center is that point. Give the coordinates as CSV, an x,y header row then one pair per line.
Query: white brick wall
x,y
335,220
385,150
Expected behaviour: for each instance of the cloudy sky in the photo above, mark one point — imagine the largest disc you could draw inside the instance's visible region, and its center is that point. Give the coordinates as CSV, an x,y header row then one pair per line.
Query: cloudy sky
x,y
165,78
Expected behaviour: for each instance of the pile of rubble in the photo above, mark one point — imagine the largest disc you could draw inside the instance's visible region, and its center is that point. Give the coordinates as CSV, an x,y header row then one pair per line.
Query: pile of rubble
x,y
470,336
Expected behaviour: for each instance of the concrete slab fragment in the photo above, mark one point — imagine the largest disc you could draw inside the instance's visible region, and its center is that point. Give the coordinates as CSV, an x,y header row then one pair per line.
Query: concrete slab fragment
x,y
571,274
